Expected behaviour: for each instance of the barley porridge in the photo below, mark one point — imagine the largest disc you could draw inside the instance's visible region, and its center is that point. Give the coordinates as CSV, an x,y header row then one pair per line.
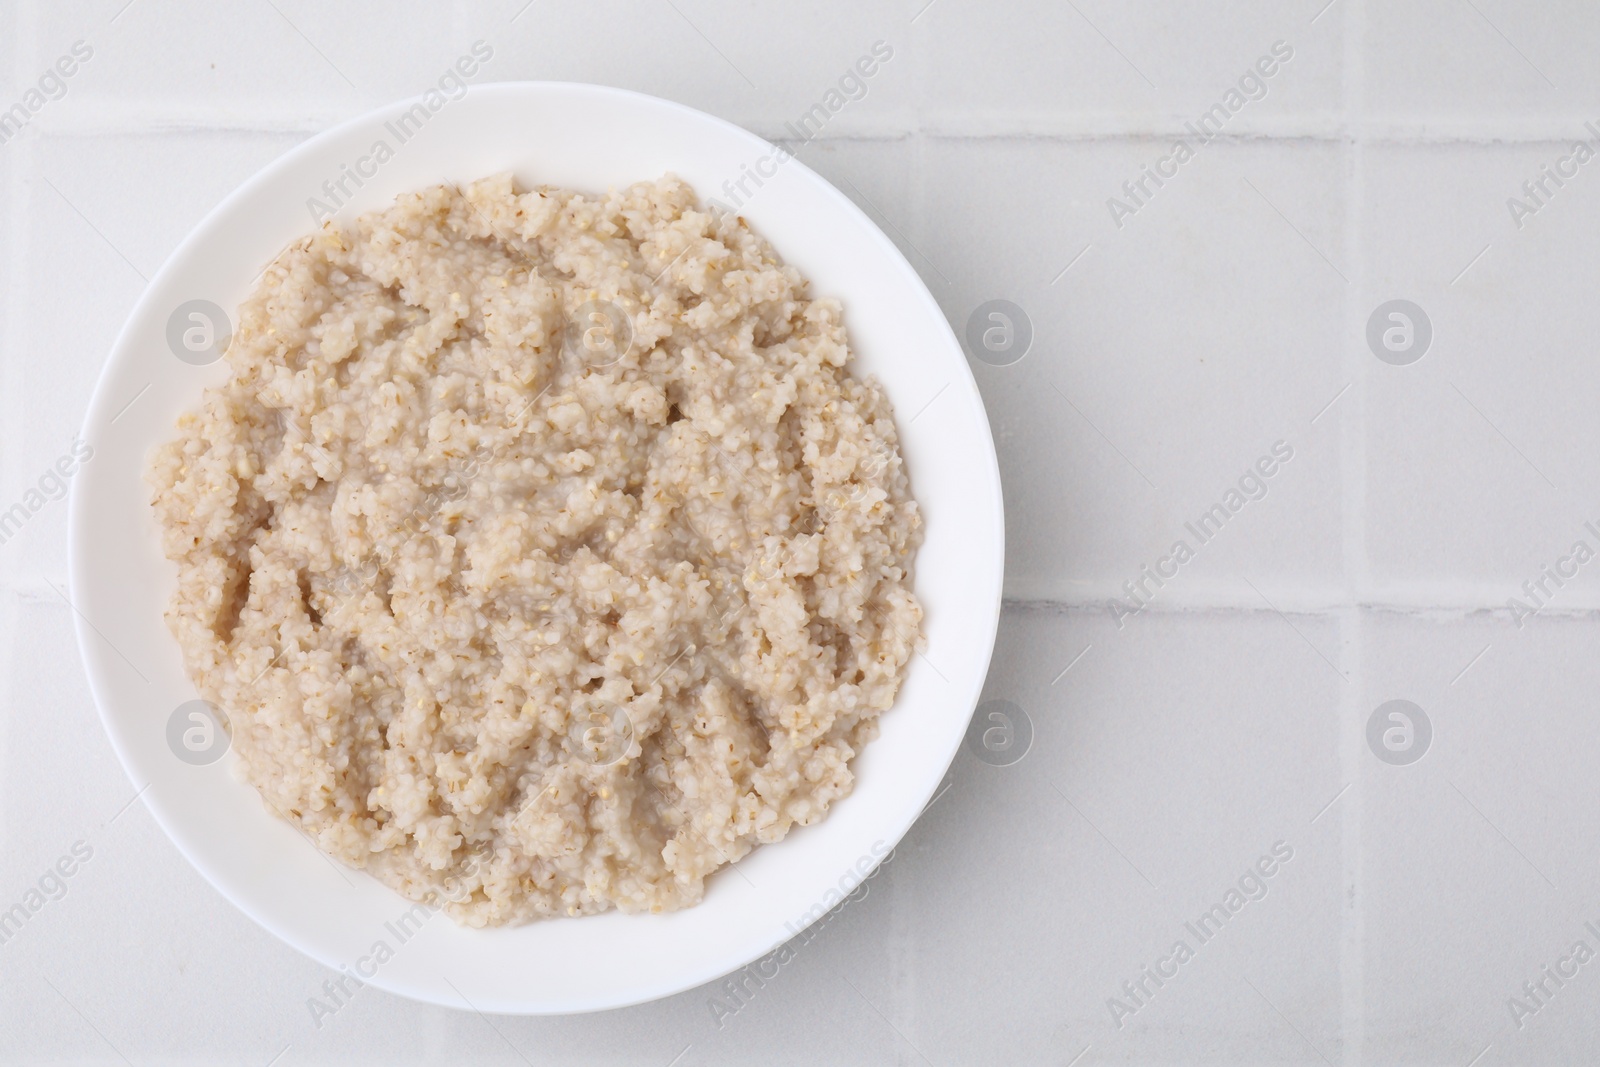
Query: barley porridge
x,y
540,548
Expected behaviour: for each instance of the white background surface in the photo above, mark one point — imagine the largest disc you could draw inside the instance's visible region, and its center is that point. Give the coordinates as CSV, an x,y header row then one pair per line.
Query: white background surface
x,y
1228,313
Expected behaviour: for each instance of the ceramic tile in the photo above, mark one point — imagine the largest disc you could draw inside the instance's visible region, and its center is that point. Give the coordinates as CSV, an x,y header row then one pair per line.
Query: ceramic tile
x,y
1169,356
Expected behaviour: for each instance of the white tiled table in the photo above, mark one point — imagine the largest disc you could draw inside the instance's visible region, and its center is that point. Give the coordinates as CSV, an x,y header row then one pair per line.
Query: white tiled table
x,y
1226,314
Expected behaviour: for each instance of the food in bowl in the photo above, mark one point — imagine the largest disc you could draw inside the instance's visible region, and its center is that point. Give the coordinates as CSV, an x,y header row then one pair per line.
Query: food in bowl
x,y
541,549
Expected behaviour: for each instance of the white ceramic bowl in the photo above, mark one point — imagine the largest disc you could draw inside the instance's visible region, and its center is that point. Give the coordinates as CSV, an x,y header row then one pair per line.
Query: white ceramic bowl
x,y
584,137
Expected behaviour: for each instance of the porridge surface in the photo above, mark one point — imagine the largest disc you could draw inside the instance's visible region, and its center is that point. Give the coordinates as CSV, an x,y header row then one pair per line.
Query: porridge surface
x,y
540,549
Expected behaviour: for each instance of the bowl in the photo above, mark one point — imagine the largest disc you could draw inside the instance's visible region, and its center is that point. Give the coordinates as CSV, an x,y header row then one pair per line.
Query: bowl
x,y
583,137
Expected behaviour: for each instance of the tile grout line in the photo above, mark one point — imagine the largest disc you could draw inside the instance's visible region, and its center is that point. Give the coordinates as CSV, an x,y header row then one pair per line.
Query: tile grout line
x,y
1297,600
1353,470
25,21
94,118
